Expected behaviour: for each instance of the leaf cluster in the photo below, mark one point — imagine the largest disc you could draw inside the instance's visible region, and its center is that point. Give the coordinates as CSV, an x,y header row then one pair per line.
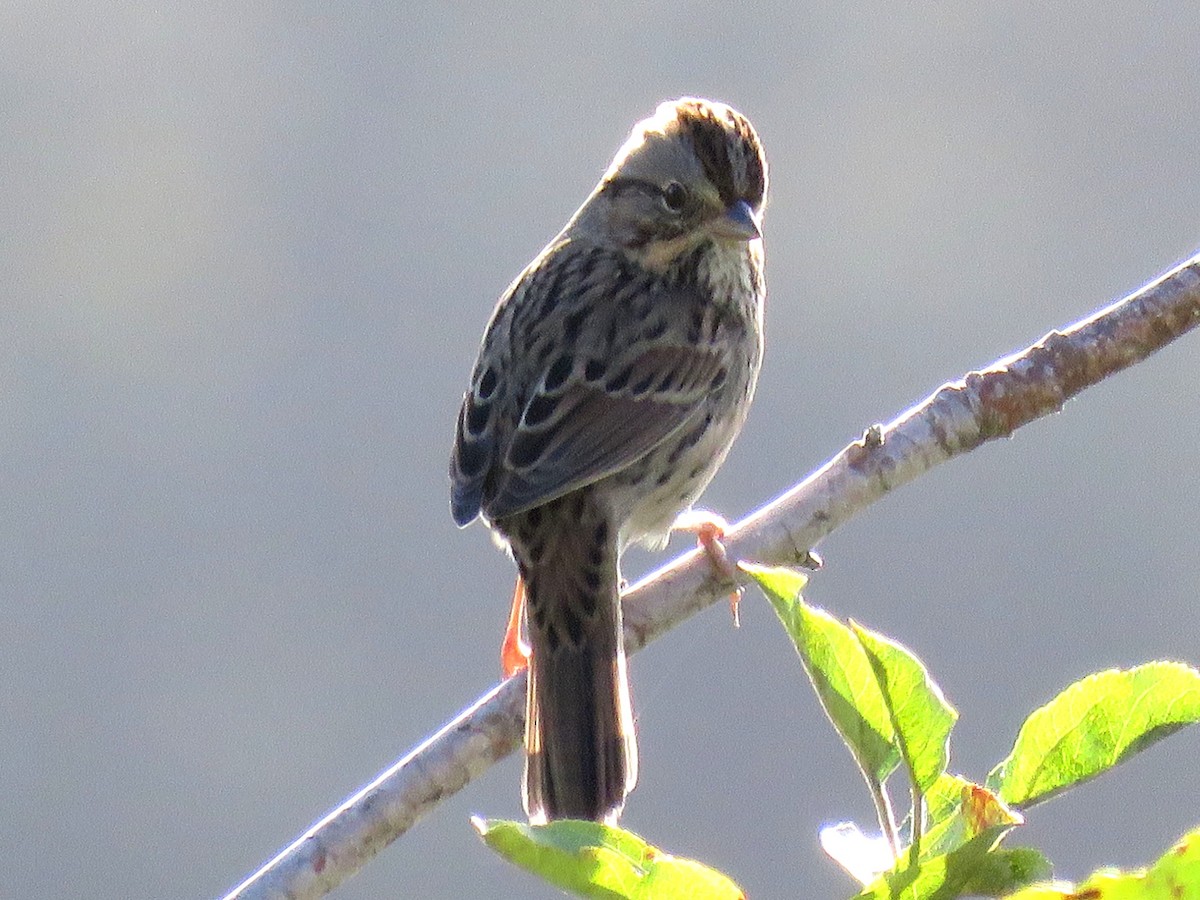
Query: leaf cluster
x,y
895,721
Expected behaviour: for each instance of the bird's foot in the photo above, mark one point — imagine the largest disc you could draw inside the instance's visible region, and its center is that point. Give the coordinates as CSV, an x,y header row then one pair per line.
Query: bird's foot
x,y
515,652
710,529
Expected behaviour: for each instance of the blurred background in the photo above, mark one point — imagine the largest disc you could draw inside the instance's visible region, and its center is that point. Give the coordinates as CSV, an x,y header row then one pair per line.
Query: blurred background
x,y
248,253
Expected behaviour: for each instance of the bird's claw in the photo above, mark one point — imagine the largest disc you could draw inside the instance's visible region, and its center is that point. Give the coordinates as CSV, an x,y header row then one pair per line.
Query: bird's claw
x,y
710,529
514,651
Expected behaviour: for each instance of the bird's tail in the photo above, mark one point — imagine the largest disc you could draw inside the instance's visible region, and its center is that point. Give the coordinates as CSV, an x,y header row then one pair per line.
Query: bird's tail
x,y
581,751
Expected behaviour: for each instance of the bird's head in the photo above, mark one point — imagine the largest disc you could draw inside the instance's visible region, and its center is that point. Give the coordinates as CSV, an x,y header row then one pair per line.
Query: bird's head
x,y
693,171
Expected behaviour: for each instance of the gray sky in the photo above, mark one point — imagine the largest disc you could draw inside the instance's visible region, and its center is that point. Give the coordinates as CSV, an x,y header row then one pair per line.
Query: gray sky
x,y
248,251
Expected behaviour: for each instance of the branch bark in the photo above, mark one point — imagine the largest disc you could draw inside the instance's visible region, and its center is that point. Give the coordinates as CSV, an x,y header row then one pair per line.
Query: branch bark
x,y
955,419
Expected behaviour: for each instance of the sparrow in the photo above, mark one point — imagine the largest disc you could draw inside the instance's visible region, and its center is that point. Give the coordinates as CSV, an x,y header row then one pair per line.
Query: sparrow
x,y
613,376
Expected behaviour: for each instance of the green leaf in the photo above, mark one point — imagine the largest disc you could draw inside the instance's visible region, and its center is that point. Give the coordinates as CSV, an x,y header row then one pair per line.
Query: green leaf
x,y
944,797
1003,870
1045,891
593,860
974,869
1176,876
919,713
839,669
958,811
1092,726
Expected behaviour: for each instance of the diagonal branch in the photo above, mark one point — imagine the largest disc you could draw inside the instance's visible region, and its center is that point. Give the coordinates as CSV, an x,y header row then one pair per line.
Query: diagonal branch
x,y
956,419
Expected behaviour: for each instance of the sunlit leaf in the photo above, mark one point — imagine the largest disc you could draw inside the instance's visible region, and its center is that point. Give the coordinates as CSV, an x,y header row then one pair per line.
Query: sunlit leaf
x,y
839,669
975,869
1093,725
958,811
959,854
920,715
598,861
1176,876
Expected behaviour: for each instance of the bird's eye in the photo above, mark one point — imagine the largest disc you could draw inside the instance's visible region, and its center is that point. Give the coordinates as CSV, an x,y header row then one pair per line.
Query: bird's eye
x,y
675,197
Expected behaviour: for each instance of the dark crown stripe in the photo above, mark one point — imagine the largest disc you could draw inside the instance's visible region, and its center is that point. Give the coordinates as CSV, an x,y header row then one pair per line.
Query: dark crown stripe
x,y
713,137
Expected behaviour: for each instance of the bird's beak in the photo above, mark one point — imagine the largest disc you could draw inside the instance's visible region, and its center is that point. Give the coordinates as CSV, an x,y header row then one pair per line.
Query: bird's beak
x,y
739,223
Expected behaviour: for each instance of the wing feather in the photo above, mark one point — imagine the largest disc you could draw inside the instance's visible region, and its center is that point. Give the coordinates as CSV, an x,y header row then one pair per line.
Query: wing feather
x,y
527,433
589,428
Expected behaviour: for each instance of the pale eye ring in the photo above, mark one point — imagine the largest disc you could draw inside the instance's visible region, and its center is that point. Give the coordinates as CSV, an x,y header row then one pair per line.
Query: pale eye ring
x,y
674,197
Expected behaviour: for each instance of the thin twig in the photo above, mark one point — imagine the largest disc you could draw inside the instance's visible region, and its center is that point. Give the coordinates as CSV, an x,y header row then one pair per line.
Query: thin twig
x,y
956,419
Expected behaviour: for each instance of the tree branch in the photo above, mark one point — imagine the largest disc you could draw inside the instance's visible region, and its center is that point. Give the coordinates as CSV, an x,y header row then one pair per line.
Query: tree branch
x,y
956,419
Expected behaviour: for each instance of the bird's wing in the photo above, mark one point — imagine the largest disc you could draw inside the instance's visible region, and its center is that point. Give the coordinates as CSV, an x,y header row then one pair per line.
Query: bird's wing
x,y
603,418
584,418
